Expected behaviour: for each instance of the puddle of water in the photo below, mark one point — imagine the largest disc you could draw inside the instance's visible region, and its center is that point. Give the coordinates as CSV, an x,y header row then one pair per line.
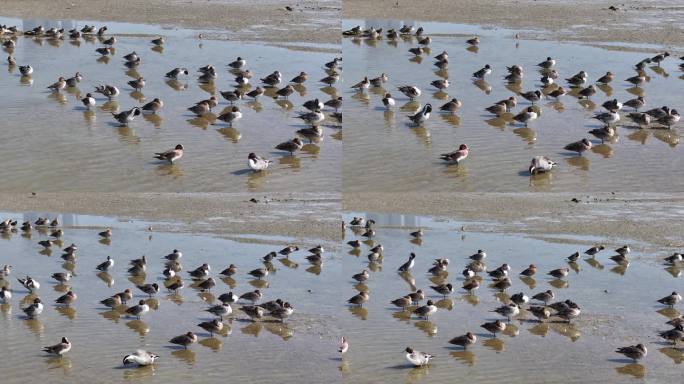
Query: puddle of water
x,y
383,153
263,351
60,136
618,308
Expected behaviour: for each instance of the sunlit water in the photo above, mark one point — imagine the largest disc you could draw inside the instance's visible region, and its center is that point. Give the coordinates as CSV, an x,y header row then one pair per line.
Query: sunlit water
x,y
51,143
618,308
300,350
382,152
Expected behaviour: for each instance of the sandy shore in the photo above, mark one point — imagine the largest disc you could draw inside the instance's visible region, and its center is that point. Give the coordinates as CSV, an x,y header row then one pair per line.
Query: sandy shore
x,y
652,22
312,216
311,21
654,219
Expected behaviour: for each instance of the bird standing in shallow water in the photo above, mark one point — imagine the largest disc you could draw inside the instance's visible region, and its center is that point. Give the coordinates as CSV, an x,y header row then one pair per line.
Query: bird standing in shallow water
x,y
634,352
417,358
59,349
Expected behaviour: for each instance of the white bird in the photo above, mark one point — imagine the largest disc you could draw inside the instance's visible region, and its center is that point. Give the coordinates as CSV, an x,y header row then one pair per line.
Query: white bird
x,y
417,358
388,101
541,164
29,283
5,295
257,163
344,346
141,358
34,309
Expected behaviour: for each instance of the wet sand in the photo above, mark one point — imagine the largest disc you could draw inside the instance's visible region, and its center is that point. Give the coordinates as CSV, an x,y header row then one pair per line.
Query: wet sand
x,y
552,20
314,21
652,218
282,214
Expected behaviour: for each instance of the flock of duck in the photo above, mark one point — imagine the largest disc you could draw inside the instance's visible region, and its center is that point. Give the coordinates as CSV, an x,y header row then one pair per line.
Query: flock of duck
x,y
541,306
250,303
578,85
272,85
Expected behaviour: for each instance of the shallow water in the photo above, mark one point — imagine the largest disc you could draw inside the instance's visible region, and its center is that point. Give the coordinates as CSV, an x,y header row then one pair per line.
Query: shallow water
x,y
51,143
618,308
254,352
382,152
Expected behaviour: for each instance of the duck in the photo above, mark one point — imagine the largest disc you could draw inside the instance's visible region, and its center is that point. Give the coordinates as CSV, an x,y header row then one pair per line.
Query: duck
x,y
362,85
127,116
176,72
213,326
541,164
137,84
150,289
220,310
451,106
407,266
421,116
607,118
380,80
140,358
544,297
5,295
508,311
388,101
526,116
480,74
456,156
184,340
111,302
73,81
25,70
579,146
671,300
464,340
634,352
238,63
548,63
138,310
577,79
158,41
58,86
359,299
417,358
426,310
88,101
67,299
233,115
59,349
291,146
153,106
440,84
108,91
532,96
313,118
494,327
29,283
257,163
410,91
344,346
35,309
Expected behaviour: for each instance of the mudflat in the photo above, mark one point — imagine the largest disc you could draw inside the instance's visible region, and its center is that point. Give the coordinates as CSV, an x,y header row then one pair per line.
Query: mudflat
x,y
314,21
583,20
